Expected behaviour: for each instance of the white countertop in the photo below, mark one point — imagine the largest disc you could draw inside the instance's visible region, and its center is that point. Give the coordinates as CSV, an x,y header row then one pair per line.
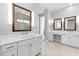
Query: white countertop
x,y
15,38
65,32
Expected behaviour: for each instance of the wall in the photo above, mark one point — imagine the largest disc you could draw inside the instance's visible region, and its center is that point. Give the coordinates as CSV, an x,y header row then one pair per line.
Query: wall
x,y
69,11
6,17
66,12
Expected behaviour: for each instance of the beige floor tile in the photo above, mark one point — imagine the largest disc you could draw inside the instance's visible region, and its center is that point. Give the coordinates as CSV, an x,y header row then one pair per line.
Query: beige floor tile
x,y
57,49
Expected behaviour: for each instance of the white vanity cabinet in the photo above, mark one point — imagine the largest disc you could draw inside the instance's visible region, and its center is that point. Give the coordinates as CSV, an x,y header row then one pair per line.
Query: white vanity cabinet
x,y
29,46
70,39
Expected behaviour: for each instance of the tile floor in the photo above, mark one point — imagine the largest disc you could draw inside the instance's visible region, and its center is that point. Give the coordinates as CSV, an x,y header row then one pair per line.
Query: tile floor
x,y
57,49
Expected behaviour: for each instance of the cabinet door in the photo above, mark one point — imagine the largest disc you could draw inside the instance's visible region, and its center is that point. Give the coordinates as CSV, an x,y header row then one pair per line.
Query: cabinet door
x,y
10,53
50,37
35,47
75,41
66,39
24,50
0,51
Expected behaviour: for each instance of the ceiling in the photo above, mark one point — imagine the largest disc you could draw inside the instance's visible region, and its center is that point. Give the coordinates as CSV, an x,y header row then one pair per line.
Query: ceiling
x,y
55,6
52,7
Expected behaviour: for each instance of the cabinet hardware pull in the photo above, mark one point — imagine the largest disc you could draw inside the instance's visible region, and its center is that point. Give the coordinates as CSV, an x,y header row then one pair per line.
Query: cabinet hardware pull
x,y
10,47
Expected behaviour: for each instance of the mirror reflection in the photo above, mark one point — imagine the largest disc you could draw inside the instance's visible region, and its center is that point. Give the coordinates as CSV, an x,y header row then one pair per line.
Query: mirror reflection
x,y
70,23
21,19
57,24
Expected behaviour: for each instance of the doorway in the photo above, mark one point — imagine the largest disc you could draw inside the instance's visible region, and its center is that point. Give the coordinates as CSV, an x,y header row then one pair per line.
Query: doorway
x,y
42,25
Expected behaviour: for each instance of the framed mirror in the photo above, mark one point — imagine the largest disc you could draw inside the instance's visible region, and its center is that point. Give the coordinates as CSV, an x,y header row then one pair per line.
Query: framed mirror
x,y
57,24
21,19
70,23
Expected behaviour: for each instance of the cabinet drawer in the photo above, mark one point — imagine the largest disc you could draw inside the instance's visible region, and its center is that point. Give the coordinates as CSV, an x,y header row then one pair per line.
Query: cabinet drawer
x,y
24,42
9,47
36,38
10,53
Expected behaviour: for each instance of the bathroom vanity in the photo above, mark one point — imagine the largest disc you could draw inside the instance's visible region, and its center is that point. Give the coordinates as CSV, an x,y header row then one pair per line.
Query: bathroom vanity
x,y
17,45
67,38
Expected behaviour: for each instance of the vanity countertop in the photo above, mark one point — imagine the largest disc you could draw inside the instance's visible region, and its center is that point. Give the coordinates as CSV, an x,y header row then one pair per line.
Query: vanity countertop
x,y
65,32
15,38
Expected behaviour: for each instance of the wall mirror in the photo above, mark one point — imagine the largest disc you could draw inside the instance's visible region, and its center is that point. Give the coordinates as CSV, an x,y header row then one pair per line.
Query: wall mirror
x,y
70,23
21,18
57,24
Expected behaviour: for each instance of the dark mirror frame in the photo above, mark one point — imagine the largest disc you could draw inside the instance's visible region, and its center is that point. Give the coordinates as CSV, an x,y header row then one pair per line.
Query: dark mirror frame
x,y
74,23
54,23
13,25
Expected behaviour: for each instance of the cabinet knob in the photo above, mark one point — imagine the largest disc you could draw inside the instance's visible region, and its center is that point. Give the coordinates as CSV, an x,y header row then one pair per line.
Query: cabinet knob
x,y
9,47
